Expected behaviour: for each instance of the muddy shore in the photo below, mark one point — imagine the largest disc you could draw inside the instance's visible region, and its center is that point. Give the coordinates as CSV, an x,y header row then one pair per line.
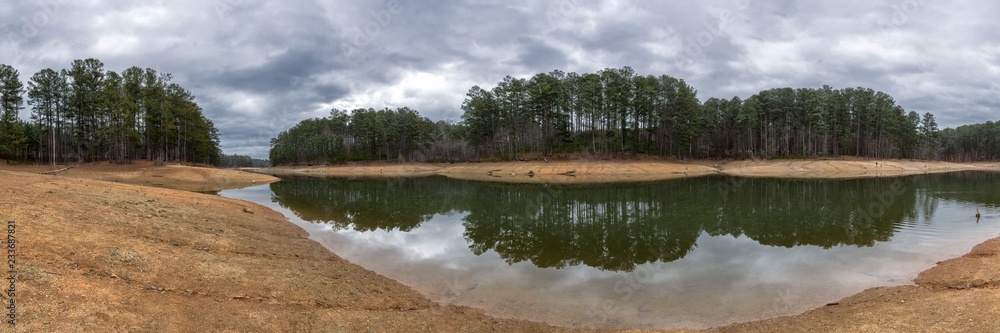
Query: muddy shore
x,y
100,255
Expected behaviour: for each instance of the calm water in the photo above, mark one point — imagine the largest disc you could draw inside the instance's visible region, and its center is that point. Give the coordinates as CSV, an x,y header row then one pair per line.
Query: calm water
x,y
694,253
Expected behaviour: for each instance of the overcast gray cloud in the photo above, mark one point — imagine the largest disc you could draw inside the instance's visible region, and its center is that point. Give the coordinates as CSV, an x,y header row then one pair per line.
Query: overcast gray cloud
x,y
259,67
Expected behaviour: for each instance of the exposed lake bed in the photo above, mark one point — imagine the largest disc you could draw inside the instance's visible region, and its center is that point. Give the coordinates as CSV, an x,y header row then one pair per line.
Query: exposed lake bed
x,y
72,284
590,171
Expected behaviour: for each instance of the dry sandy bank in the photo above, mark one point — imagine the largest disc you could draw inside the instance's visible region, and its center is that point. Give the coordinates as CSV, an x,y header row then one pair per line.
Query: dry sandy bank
x,y
587,171
173,176
357,170
846,168
570,172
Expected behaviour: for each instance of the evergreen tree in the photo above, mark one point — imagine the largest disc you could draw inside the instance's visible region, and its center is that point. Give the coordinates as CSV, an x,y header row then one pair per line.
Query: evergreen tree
x,y
13,138
88,114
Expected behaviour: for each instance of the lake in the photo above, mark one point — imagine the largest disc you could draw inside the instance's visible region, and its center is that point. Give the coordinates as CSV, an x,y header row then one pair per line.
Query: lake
x,y
689,253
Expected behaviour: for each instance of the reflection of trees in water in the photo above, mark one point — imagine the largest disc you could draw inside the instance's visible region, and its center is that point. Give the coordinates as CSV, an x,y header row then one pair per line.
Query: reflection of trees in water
x,y
824,213
365,204
970,187
616,227
612,227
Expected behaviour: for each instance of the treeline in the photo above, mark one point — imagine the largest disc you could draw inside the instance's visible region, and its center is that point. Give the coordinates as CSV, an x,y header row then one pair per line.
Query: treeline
x,y
86,114
617,113
610,113
367,135
242,161
971,143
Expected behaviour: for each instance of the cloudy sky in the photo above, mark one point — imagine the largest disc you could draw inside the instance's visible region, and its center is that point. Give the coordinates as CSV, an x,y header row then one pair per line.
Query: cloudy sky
x,y
259,67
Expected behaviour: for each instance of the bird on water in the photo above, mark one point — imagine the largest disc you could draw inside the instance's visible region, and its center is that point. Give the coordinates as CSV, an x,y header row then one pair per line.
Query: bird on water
x,y
977,213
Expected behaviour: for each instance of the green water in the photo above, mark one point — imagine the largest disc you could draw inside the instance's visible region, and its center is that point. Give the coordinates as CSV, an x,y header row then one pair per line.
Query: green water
x,y
696,252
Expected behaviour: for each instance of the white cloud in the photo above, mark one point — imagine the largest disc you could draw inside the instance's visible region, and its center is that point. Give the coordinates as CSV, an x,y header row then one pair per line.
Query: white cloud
x,y
421,91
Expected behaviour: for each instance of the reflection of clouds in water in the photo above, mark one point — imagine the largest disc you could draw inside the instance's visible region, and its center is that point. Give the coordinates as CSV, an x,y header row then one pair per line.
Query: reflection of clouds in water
x,y
439,239
745,279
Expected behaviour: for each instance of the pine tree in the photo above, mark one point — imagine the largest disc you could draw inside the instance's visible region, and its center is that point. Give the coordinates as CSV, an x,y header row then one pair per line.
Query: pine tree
x,y
13,138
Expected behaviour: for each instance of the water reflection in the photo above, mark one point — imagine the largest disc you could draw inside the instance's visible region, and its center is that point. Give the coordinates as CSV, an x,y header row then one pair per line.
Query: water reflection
x,y
693,253
617,227
364,205
966,187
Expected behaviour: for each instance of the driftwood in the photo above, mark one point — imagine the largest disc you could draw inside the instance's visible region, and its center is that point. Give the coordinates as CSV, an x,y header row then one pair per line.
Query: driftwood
x,y
571,173
57,171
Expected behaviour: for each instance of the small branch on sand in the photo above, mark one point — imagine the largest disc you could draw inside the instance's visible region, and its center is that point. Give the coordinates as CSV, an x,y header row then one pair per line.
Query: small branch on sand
x,y
57,171
571,173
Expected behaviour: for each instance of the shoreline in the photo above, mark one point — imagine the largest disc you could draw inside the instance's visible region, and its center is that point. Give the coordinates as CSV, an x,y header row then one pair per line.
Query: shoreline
x,y
590,172
97,255
115,265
